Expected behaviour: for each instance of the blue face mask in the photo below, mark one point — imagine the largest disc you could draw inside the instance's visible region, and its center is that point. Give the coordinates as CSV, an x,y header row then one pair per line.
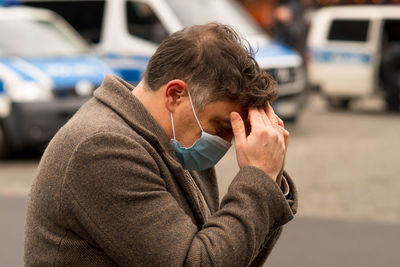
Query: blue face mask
x,y
204,153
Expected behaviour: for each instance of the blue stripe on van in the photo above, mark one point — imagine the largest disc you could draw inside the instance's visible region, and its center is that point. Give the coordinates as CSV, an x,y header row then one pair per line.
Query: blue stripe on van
x,y
10,2
274,49
329,56
130,75
9,63
2,90
143,59
129,68
66,72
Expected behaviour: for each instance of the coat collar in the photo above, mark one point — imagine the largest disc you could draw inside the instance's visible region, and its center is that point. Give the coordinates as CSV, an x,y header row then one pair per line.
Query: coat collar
x,y
117,94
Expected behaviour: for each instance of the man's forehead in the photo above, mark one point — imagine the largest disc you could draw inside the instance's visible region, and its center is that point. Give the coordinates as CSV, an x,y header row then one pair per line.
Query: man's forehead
x,y
221,110
223,116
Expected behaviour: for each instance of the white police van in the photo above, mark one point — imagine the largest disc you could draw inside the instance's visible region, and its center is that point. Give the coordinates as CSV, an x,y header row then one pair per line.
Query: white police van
x,y
127,32
345,45
46,74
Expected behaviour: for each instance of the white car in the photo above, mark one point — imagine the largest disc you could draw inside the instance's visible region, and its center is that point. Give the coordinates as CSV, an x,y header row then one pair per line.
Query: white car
x,y
345,48
46,74
127,32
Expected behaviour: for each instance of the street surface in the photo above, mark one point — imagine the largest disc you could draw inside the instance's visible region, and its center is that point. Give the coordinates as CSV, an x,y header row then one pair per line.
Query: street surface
x,y
346,167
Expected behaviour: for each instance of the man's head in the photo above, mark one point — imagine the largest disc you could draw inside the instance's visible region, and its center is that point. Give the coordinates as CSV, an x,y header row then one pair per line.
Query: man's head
x,y
218,68
216,65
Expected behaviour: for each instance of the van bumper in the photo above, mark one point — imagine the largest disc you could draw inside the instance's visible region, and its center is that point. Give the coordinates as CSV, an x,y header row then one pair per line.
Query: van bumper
x,y
34,124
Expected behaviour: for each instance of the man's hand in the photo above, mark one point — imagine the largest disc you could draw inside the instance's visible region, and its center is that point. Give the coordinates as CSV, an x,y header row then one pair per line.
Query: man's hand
x,y
265,146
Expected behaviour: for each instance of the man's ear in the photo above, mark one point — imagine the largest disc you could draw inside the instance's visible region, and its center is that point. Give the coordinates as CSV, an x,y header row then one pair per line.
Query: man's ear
x,y
175,90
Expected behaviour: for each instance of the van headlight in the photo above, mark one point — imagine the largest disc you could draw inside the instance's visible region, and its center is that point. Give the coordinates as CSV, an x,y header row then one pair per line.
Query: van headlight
x,y
283,75
29,92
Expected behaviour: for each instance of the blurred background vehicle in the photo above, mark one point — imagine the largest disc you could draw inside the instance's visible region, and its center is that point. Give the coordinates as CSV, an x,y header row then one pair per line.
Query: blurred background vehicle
x,y
346,46
46,73
344,162
126,32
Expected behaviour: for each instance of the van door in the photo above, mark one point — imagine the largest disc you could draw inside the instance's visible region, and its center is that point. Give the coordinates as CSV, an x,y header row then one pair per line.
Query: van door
x,y
345,63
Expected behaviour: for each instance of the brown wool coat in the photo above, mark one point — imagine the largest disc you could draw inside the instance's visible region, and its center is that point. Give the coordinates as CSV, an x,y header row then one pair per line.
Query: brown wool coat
x,y
109,191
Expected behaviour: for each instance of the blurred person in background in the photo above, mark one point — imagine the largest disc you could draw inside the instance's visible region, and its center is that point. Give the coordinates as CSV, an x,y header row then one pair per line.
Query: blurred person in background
x,y
282,19
289,27
389,72
130,179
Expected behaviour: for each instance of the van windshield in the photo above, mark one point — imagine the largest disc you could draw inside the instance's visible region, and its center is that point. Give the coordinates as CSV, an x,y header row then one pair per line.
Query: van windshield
x,y
196,12
36,38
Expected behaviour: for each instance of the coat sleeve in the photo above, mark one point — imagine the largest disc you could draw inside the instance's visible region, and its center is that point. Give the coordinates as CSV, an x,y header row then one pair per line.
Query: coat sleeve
x,y
113,189
275,232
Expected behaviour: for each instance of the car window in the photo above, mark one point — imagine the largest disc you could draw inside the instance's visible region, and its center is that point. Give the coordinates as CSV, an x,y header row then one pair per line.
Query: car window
x,y
142,22
195,12
85,16
36,38
349,30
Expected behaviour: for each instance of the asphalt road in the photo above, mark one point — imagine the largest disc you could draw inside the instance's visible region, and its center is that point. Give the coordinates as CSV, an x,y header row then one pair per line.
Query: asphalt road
x,y
306,242
346,167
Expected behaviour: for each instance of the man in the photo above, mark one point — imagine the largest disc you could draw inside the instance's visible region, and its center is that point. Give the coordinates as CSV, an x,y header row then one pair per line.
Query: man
x,y
129,180
389,70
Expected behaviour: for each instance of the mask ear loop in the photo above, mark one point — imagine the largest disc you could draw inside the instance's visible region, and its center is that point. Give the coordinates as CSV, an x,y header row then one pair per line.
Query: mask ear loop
x,y
191,103
173,126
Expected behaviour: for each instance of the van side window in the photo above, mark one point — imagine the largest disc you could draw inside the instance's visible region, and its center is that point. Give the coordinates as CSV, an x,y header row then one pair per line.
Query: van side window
x,y
85,16
143,22
349,30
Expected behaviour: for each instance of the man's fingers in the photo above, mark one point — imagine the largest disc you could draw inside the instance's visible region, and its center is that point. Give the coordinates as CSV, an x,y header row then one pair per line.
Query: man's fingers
x,y
286,136
277,122
264,116
280,122
271,114
238,128
256,118
285,132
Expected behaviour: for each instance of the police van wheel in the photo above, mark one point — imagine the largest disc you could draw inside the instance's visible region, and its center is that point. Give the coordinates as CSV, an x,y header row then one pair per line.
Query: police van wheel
x,y
339,103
